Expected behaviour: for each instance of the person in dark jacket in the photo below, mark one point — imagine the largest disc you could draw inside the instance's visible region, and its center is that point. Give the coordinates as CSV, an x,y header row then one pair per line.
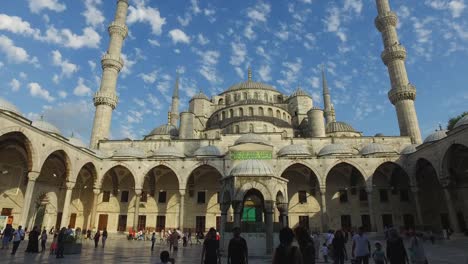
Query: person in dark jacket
x,y
339,247
62,236
33,242
97,236
306,245
396,252
237,249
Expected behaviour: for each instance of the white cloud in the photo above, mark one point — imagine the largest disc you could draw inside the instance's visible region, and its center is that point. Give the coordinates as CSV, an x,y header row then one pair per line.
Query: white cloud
x,y
13,53
81,89
265,73
37,6
92,65
195,7
128,65
37,91
23,75
259,12
93,14
315,82
89,39
15,85
209,60
202,40
62,94
68,68
290,72
178,36
354,5
154,42
333,23
149,77
239,53
456,7
16,25
144,14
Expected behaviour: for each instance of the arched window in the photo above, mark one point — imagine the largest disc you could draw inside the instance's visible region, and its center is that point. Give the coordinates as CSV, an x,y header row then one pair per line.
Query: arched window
x,y
251,111
236,129
231,113
241,112
251,128
228,99
236,97
221,101
223,115
266,97
256,96
245,96
284,116
270,112
260,111
278,114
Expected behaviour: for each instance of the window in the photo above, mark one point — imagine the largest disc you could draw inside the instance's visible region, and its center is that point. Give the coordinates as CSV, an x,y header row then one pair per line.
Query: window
x,y
7,211
343,196
122,223
260,111
245,96
404,195
141,222
144,197
251,111
236,129
256,96
346,222
284,116
124,197
366,222
270,112
201,197
362,195
223,115
200,223
302,197
251,128
162,197
383,195
105,196
231,113
160,222
241,112
278,114
304,221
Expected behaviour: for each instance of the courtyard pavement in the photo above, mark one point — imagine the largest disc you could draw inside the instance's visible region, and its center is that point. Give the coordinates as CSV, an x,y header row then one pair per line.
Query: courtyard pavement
x,y
454,251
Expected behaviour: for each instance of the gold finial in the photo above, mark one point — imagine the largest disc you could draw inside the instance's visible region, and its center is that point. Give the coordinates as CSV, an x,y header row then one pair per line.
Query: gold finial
x,y
250,74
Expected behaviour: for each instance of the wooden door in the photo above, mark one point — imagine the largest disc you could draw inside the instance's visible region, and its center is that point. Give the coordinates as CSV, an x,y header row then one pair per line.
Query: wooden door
x,y
102,224
122,224
72,220
141,222
58,221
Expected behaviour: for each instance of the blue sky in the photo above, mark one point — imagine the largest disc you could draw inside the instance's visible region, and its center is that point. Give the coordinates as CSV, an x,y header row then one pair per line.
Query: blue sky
x,y
50,57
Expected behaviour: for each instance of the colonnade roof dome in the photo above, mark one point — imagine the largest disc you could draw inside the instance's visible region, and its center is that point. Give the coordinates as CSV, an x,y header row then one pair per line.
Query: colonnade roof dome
x,y
8,106
200,95
376,148
409,149
339,127
436,136
462,122
294,150
46,126
207,151
131,152
168,151
252,168
166,129
76,142
252,138
336,149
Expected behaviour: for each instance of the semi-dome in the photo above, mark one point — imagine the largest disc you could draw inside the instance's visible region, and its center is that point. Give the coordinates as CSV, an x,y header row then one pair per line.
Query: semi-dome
x,y
200,95
333,127
76,142
462,122
436,136
294,150
46,126
336,150
6,105
129,152
252,168
376,148
168,151
252,138
409,149
166,129
207,151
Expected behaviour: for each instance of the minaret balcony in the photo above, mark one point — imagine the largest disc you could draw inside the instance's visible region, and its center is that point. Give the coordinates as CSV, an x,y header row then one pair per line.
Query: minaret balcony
x,y
108,61
407,92
385,20
103,98
117,28
394,52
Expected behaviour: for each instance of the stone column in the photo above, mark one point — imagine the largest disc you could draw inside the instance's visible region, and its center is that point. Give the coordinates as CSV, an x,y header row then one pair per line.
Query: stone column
x,y
66,205
370,201
269,226
237,206
137,209
181,209
224,210
451,210
417,203
283,209
32,176
323,206
92,223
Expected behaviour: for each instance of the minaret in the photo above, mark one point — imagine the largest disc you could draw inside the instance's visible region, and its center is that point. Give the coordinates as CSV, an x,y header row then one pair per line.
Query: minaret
x,y
328,110
402,93
174,114
106,99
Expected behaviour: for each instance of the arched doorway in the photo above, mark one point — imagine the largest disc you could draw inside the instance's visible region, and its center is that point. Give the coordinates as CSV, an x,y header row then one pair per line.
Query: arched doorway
x,y
253,206
81,205
347,198
391,197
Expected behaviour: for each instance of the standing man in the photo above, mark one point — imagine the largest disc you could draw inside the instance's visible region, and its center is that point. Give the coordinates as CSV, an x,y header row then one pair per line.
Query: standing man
x,y
17,236
361,247
104,237
153,240
7,234
237,249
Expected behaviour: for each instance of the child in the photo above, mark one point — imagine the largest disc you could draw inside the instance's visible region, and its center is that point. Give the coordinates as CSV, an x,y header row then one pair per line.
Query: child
x,y
379,254
53,246
324,251
164,256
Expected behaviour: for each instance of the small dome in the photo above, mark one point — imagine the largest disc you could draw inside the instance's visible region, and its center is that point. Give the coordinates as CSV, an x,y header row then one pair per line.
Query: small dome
x,y
166,129
299,92
376,148
339,127
336,150
46,127
436,136
168,151
252,138
252,168
76,142
462,122
409,149
129,152
207,151
294,150
200,95
7,106
250,85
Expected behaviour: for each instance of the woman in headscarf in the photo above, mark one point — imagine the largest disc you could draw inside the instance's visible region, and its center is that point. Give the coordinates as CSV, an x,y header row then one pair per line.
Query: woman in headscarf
x,y
306,245
396,252
210,253
33,242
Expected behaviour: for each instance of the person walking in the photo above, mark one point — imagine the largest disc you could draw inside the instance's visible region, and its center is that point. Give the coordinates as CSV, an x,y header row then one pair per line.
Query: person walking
x,y
210,252
43,240
7,235
339,248
379,255
17,237
306,245
62,236
190,237
316,238
33,242
361,247
153,240
416,249
97,236
104,237
54,245
286,252
237,249
396,252
324,251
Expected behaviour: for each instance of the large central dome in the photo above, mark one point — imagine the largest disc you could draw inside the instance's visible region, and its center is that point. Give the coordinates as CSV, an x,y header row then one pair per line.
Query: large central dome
x,y
250,85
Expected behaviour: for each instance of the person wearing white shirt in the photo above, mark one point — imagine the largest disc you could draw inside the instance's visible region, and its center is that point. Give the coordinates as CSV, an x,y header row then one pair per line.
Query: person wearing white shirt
x,y
17,236
361,247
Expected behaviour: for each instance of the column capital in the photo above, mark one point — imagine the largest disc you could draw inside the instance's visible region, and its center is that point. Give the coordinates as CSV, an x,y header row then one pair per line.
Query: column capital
x,y
369,189
323,189
182,192
138,191
97,191
70,185
282,208
33,175
269,207
224,207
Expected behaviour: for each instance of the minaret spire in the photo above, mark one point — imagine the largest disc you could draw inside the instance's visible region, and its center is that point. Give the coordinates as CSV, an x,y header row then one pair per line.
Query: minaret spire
x,y
249,74
174,113
327,105
402,93
106,98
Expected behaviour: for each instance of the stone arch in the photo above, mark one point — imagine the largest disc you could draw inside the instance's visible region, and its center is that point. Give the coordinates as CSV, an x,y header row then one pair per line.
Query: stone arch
x,y
19,134
305,164
345,161
81,203
240,194
111,166
66,160
387,166
177,172
453,151
50,203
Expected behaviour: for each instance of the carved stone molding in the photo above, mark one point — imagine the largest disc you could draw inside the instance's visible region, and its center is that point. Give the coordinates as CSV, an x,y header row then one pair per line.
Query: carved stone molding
x,y
120,29
385,20
107,61
392,53
407,92
109,99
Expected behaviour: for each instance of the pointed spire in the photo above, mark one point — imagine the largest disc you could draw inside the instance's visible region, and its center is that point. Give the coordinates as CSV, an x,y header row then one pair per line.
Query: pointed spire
x,y
324,81
176,87
249,74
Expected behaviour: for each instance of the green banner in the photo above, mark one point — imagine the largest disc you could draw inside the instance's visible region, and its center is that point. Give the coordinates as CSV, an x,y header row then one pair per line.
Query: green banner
x,y
248,155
